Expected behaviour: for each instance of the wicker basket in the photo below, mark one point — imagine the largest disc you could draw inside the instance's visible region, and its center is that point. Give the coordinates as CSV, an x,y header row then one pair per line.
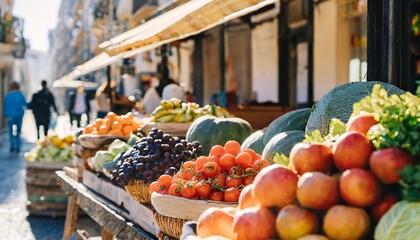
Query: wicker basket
x,y
168,225
140,191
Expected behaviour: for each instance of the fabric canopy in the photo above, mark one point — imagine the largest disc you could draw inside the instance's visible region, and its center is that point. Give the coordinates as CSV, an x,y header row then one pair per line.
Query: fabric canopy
x,y
181,22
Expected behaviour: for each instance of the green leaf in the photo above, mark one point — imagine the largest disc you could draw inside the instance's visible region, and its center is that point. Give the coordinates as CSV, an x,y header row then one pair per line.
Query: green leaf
x,y
281,159
401,222
337,127
314,137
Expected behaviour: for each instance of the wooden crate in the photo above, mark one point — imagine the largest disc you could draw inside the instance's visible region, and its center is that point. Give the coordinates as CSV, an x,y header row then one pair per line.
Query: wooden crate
x,y
44,195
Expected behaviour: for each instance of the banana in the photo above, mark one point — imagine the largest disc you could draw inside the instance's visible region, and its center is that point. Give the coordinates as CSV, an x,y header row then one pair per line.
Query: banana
x,y
176,102
180,117
190,115
166,104
166,119
157,110
167,112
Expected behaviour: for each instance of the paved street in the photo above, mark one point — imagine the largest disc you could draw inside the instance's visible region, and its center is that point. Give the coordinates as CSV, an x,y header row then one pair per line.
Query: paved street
x,y
15,224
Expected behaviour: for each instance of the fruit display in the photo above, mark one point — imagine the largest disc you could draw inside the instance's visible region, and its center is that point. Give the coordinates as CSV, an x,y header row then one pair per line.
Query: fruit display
x,y
105,156
114,125
338,103
220,176
154,155
174,110
353,181
52,149
211,131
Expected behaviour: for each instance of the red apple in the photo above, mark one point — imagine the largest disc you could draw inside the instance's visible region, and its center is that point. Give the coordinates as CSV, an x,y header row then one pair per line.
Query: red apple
x,y
383,205
311,157
275,186
344,222
254,223
294,222
317,191
352,150
247,199
359,187
313,237
361,123
386,163
215,221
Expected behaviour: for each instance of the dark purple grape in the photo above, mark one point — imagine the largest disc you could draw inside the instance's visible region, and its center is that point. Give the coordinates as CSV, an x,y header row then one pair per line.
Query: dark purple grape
x,y
155,168
161,164
195,144
179,147
178,165
167,154
166,160
140,166
145,173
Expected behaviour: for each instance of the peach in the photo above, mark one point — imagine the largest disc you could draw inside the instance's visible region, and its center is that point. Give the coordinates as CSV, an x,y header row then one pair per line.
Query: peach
x,y
352,150
294,222
310,157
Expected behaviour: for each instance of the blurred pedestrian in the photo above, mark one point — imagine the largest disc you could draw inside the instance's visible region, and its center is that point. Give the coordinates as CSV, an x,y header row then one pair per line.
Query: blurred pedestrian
x,y
14,108
41,105
79,105
151,99
173,90
103,100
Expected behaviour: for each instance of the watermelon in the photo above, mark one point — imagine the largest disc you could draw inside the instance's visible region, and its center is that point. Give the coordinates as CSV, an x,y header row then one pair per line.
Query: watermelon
x,y
255,141
294,120
209,131
282,143
338,103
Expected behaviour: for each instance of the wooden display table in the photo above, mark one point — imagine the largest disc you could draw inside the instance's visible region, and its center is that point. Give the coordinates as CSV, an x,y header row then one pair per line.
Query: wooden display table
x,y
113,219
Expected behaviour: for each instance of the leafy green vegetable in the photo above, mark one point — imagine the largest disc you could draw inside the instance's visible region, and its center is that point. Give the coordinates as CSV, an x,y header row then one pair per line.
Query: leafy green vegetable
x,y
281,159
337,127
410,182
398,119
401,222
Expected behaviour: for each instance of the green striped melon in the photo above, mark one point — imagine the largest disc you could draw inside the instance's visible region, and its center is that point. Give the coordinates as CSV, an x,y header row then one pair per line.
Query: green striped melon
x,y
294,120
255,141
338,103
282,143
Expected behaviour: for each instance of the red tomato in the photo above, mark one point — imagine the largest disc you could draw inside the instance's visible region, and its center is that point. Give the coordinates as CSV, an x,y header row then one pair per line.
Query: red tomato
x,y
250,171
211,169
252,152
236,171
227,161
233,182
243,160
203,189
152,186
215,159
188,166
199,163
164,181
217,150
248,180
175,190
216,196
219,181
232,147
232,194
260,164
189,190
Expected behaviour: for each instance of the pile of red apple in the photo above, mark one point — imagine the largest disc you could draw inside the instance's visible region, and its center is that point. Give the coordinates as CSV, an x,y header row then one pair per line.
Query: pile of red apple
x,y
329,191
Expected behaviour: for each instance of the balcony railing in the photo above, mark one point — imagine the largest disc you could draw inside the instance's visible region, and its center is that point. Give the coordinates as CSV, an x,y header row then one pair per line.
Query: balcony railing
x,y
11,32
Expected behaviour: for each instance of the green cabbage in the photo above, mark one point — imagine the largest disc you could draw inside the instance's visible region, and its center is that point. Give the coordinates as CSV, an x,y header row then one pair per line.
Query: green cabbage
x,y
118,146
401,222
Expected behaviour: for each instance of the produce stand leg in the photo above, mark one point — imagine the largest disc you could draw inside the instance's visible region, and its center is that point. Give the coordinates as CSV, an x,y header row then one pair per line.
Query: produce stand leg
x,y
106,235
71,218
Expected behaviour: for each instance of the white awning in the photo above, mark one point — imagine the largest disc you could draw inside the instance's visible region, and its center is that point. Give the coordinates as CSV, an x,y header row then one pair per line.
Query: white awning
x,y
189,19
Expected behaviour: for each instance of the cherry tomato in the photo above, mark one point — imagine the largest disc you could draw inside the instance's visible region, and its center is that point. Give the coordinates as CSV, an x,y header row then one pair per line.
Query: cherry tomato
x,y
260,164
231,194
227,161
235,170
248,180
243,160
219,181
189,190
199,163
164,181
233,182
252,152
215,159
152,186
216,196
203,189
211,169
175,190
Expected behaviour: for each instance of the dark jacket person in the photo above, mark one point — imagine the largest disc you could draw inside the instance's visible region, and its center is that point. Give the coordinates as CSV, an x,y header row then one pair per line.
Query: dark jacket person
x,y
41,105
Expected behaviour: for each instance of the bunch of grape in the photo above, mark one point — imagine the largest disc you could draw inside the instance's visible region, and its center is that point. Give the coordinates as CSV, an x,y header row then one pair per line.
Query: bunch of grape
x,y
154,155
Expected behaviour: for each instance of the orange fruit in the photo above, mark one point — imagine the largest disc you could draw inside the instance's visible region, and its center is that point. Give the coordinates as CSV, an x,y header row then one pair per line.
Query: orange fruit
x,y
112,116
136,123
232,147
88,129
116,132
102,130
99,122
116,125
127,130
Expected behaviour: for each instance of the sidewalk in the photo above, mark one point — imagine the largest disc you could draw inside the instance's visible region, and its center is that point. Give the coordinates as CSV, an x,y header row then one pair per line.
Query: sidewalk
x,y
15,223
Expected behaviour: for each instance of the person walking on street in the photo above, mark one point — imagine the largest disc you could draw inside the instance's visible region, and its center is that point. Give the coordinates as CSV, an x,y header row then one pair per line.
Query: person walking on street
x,y
103,100
14,108
41,104
79,104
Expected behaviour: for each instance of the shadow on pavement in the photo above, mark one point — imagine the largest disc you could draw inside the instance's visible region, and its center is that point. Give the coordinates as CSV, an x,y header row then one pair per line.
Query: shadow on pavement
x,y
46,228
